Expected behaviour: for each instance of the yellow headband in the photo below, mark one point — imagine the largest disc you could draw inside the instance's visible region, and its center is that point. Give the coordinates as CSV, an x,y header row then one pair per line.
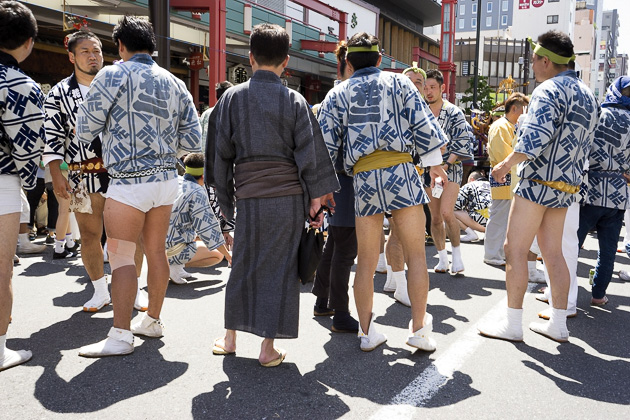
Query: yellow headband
x,y
194,171
373,48
552,56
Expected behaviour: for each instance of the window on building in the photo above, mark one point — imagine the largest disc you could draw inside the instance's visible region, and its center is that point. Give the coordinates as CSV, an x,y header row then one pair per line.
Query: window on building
x,y
553,1
473,23
488,21
461,24
504,20
474,8
462,9
467,67
552,19
504,5
489,7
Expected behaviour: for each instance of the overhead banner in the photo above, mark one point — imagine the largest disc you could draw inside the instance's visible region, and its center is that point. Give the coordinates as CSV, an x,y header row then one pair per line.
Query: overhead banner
x,y
523,4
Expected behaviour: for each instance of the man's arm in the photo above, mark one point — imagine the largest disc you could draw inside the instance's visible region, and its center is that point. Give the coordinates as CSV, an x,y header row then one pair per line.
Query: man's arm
x,y
23,122
57,131
97,104
502,168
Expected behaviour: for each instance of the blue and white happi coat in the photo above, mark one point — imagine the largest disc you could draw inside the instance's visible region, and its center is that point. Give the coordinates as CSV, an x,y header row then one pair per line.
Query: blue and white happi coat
x,y
609,158
376,110
556,135
21,123
62,106
145,117
453,121
191,217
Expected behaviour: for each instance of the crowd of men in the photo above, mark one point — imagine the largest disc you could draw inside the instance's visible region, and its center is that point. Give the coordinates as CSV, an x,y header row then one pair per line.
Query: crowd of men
x,y
380,145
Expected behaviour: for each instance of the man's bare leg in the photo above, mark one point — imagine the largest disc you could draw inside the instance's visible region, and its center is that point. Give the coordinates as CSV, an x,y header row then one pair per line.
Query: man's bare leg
x,y
9,228
396,266
438,232
204,257
550,243
523,224
91,227
368,230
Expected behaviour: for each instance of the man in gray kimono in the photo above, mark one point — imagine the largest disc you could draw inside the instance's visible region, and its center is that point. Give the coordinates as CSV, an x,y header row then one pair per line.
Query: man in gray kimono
x,y
271,157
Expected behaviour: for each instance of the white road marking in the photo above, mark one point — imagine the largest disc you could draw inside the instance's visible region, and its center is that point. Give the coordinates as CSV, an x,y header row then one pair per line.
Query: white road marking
x,y
428,383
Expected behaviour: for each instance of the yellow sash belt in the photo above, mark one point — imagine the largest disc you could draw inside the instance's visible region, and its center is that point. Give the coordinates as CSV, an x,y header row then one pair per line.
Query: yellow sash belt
x,y
484,212
559,185
380,159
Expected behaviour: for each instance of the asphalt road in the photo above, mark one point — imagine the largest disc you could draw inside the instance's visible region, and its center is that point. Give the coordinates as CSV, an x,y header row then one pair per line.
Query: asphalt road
x,y
325,375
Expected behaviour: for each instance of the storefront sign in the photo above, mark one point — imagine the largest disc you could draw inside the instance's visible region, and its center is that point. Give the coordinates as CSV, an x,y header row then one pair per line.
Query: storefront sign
x,y
538,3
523,4
196,61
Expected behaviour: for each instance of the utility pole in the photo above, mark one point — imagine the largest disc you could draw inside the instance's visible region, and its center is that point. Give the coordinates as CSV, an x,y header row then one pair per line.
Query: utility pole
x,y
160,17
476,65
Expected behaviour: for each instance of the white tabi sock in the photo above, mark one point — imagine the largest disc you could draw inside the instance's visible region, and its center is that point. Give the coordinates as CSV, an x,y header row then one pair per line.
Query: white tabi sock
x,y
69,240
100,286
443,256
10,358
59,245
556,328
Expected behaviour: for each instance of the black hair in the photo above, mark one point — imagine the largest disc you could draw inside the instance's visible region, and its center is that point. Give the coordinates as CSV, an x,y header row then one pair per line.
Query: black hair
x,y
17,25
222,87
74,38
557,42
135,33
437,75
516,98
194,160
477,176
269,44
361,60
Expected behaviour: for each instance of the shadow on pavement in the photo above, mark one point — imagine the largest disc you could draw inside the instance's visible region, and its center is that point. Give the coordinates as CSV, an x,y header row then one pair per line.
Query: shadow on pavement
x,y
102,383
572,371
252,391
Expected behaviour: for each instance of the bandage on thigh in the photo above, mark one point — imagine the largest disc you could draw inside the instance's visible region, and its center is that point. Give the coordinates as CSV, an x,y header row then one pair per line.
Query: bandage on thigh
x,y
121,253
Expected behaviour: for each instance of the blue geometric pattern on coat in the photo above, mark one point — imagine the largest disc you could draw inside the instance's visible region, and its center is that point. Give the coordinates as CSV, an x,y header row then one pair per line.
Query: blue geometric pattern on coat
x,y
192,216
21,123
557,135
609,159
387,189
460,139
543,195
145,116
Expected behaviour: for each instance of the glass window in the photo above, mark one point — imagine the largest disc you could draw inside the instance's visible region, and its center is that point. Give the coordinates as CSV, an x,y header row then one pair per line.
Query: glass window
x,y
473,23
489,7
504,5
504,20
552,19
462,9
474,8
461,24
488,21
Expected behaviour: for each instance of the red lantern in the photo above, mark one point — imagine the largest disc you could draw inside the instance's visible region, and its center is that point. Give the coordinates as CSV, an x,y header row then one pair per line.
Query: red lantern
x,y
196,60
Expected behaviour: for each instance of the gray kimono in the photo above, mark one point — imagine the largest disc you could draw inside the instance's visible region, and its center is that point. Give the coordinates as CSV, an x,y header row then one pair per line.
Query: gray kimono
x,y
269,161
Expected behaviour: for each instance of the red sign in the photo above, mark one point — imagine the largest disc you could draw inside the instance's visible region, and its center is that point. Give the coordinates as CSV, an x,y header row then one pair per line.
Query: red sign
x,y
523,4
538,3
196,61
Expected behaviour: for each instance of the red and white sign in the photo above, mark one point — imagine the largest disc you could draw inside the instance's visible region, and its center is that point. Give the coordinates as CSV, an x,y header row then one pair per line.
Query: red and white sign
x,y
196,60
523,4
538,3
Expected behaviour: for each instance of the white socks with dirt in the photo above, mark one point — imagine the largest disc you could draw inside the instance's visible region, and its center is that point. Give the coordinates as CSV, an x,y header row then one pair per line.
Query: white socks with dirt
x,y
507,327
556,328
10,358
